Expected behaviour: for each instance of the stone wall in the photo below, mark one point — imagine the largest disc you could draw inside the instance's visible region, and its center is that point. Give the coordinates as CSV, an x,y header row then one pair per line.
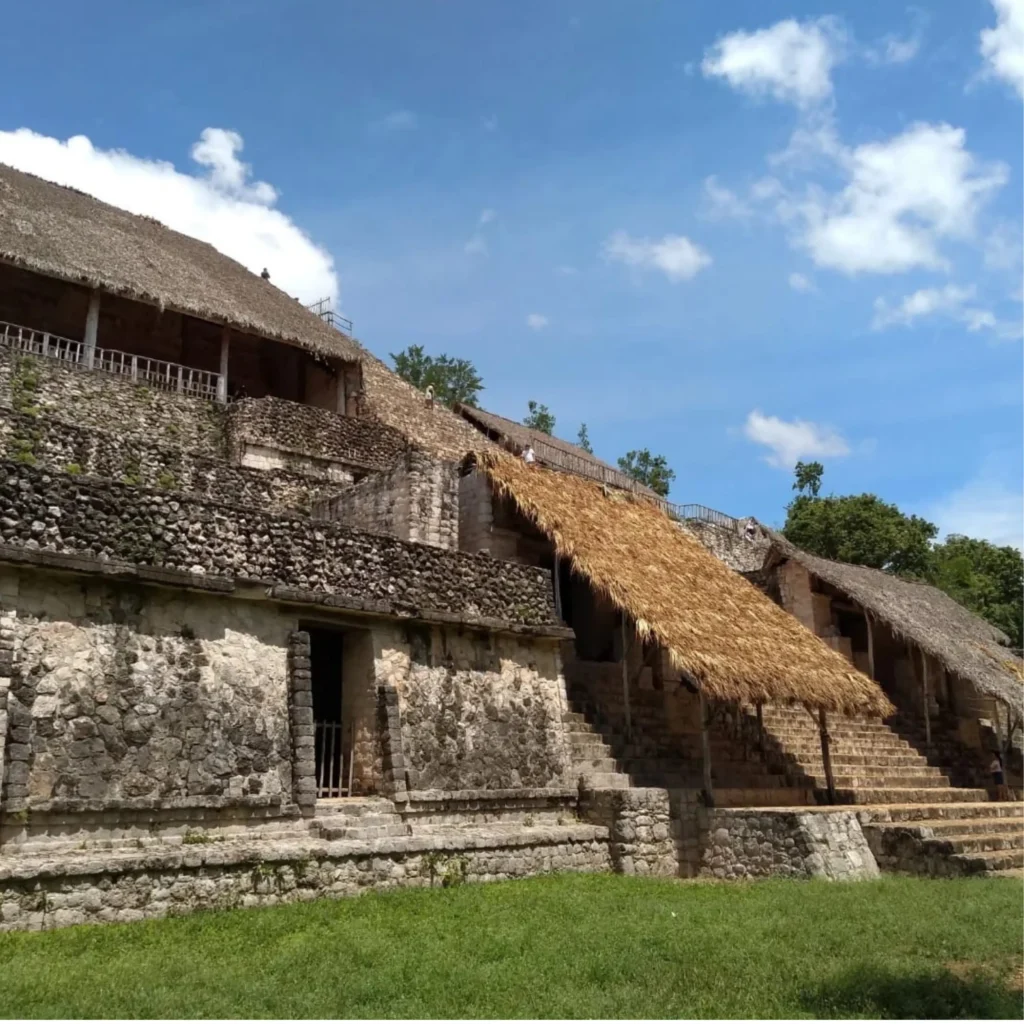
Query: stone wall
x,y
90,888
112,403
639,828
731,544
122,698
750,843
135,526
54,444
416,500
273,424
478,711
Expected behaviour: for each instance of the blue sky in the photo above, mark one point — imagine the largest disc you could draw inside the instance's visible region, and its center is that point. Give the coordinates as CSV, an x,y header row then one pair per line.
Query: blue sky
x,y
735,233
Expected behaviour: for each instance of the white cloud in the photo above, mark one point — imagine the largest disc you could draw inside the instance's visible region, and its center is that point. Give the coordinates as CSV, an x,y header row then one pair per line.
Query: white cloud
x,y
791,61
1002,47
801,283
905,195
723,202
985,506
396,121
791,441
675,255
223,206
476,246
950,301
537,321
486,216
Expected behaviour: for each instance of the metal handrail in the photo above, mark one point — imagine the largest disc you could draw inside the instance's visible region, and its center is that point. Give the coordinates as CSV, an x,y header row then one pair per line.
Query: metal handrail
x,y
157,373
322,308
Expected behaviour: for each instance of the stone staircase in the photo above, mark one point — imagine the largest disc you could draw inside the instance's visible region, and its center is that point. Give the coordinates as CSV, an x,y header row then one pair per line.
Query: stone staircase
x,y
655,755
358,818
945,840
871,762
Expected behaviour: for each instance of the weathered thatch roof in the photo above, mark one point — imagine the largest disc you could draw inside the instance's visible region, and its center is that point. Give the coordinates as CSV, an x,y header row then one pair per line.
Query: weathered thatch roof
x,y
735,642
549,451
963,642
64,233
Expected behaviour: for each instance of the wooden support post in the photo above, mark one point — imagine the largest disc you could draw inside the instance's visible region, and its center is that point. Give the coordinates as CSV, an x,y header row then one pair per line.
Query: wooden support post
x,y
826,755
760,726
625,678
926,694
92,326
871,644
705,750
558,587
222,381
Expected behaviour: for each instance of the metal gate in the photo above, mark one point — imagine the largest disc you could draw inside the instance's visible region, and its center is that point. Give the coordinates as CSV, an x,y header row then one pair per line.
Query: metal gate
x,y
335,759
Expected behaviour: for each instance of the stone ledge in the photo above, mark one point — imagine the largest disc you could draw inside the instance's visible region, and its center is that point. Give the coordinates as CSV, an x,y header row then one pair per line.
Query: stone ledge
x,y
163,803
240,852
439,796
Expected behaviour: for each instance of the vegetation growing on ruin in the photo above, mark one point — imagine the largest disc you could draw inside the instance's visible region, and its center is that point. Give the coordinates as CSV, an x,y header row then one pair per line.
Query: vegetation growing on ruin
x,y
565,946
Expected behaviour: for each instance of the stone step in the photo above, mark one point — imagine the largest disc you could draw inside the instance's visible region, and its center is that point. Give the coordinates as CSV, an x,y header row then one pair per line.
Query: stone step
x,y
906,795
866,748
884,781
360,831
986,863
841,760
933,813
971,826
354,806
980,842
605,780
596,764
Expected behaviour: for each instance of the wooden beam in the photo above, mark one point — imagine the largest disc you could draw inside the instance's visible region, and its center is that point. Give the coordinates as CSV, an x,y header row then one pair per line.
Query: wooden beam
x,y
92,326
926,693
871,644
625,677
705,750
222,382
558,587
826,755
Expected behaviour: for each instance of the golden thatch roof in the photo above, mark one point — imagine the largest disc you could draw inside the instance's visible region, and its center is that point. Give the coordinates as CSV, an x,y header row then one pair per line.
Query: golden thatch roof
x,y
720,629
964,643
61,232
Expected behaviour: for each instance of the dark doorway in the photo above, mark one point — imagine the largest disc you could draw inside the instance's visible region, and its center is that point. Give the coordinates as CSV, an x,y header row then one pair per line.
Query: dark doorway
x,y
333,748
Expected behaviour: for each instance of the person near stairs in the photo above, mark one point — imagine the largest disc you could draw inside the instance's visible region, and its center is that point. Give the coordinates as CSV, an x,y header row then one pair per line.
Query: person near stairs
x,y
998,777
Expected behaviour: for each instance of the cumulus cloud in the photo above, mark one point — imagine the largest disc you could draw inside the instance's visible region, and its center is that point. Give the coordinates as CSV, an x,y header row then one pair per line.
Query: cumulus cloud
x,y
221,204
801,283
486,216
675,256
1002,47
987,505
905,195
476,246
537,321
723,203
791,61
951,302
790,441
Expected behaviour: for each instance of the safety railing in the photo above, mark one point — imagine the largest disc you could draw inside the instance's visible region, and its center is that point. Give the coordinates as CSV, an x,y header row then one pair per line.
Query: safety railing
x,y
157,373
332,779
322,308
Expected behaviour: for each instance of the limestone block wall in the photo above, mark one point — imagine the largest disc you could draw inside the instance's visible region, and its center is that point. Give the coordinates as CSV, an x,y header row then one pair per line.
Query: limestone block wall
x,y
475,514
69,448
124,698
731,545
797,597
749,843
416,500
276,425
639,828
478,711
117,523
492,526
113,403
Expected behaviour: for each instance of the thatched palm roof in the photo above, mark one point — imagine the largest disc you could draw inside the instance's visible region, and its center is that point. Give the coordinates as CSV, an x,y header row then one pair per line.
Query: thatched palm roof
x,y
550,451
964,643
735,642
64,233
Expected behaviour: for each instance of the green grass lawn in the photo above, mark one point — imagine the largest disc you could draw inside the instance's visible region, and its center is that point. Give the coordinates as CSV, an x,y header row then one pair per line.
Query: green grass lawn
x,y
563,946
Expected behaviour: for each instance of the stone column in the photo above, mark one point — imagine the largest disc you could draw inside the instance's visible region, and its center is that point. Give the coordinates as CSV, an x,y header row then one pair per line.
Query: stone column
x,y
389,724
92,324
300,714
7,620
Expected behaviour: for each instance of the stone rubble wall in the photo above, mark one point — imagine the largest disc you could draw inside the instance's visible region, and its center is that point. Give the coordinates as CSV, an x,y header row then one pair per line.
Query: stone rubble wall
x,y
751,843
122,524
305,430
416,500
37,894
731,545
121,700
112,403
74,450
639,827
478,711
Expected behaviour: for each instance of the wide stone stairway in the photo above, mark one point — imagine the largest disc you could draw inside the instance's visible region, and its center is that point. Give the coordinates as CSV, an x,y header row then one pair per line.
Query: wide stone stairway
x,y
651,753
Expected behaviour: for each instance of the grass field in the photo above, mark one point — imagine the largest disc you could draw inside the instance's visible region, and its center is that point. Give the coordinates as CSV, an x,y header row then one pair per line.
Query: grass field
x,y
565,946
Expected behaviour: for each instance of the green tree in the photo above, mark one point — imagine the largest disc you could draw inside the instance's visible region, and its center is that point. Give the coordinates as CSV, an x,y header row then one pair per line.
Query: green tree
x,y
650,470
808,478
453,380
540,418
583,439
984,577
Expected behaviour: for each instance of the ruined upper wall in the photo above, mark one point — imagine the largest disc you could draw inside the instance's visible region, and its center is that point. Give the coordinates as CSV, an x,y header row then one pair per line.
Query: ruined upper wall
x,y
117,523
739,550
